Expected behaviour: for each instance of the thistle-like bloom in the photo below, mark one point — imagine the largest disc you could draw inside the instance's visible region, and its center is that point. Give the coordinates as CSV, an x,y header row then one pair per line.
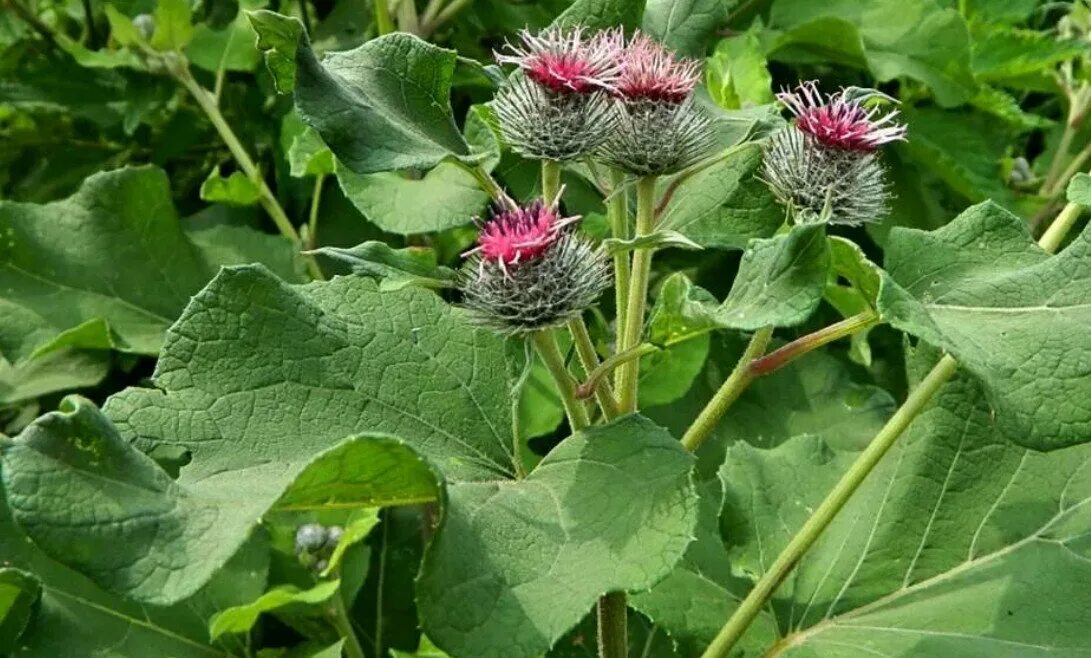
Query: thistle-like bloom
x,y
530,271
660,130
822,184
651,72
564,61
557,107
826,168
840,120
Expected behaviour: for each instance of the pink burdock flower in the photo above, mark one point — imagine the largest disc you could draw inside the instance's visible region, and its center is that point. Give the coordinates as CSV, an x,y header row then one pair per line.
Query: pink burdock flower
x,y
516,235
840,120
530,272
651,72
660,130
565,61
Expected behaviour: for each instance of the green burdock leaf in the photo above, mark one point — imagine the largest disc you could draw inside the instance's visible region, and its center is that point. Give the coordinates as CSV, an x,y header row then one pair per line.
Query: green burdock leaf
x,y
685,26
173,29
108,267
601,14
738,75
725,205
278,40
425,650
394,267
919,39
679,323
382,106
948,143
140,533
1003,51
236,189
960,543
1015,317
309,156
780,280
19,592
661,239
517,564
240,619
1079,190
62,370
444,197
76,619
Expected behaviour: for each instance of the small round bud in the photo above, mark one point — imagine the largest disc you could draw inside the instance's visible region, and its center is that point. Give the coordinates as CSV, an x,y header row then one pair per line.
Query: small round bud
x,y
321,565
546,125
309,538
333,536
656,138
822,184
145,25
531,272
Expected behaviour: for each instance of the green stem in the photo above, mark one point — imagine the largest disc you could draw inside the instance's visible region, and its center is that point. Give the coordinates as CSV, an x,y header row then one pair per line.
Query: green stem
x,y
551,180
449,12
384,24
340,617
268,200
782,356
1077,165
821,518
731,389
546,343
1060,226
589,358
824,515
312,220
629,373
408,20
1058,157
613,631
585,389
617,209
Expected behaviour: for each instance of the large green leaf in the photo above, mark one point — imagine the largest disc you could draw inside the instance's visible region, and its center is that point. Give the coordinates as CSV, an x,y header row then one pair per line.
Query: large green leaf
x,y
108,267
443,198
76,619
1015,317
601,14
1002,51
92,501
382,106
919,39
958,544
685,26
725,205
62,370
780,280
517,564
950,144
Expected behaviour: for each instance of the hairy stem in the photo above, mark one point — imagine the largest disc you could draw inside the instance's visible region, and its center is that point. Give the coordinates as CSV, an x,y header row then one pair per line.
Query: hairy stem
x,y
268,200
604,393
617,210
821,518
595,376
551,180
629,373
730,391
545,342
384,24
1057,163
782,356
312,219
340,617
613,631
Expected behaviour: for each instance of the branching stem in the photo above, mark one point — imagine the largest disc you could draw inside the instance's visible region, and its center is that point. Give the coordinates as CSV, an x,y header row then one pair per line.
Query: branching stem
x,y
546,343
589,358
586,389
629,373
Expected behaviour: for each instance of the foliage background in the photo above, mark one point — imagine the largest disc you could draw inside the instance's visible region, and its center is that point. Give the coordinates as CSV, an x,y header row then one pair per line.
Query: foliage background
x,y
994,94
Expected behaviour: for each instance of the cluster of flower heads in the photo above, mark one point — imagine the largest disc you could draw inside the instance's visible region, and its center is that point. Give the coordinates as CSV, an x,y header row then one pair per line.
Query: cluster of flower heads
x,y
529,271
629,102
825,167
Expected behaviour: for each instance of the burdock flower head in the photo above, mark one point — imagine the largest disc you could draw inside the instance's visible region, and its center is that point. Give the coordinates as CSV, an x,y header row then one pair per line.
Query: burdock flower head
x,y
660,129
531,271
557,106
825,167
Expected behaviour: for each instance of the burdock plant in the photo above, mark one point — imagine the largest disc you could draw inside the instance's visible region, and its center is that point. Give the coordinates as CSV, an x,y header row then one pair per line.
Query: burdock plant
x,y
825,167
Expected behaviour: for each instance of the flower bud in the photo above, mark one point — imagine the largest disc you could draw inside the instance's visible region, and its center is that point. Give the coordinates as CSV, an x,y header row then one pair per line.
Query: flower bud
x,y
530,271
309,538
556,107
145,25
660,130
826,166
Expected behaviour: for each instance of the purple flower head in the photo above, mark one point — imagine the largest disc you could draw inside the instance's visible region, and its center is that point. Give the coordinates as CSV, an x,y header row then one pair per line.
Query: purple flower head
x,y
840,120
651,72
564,61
